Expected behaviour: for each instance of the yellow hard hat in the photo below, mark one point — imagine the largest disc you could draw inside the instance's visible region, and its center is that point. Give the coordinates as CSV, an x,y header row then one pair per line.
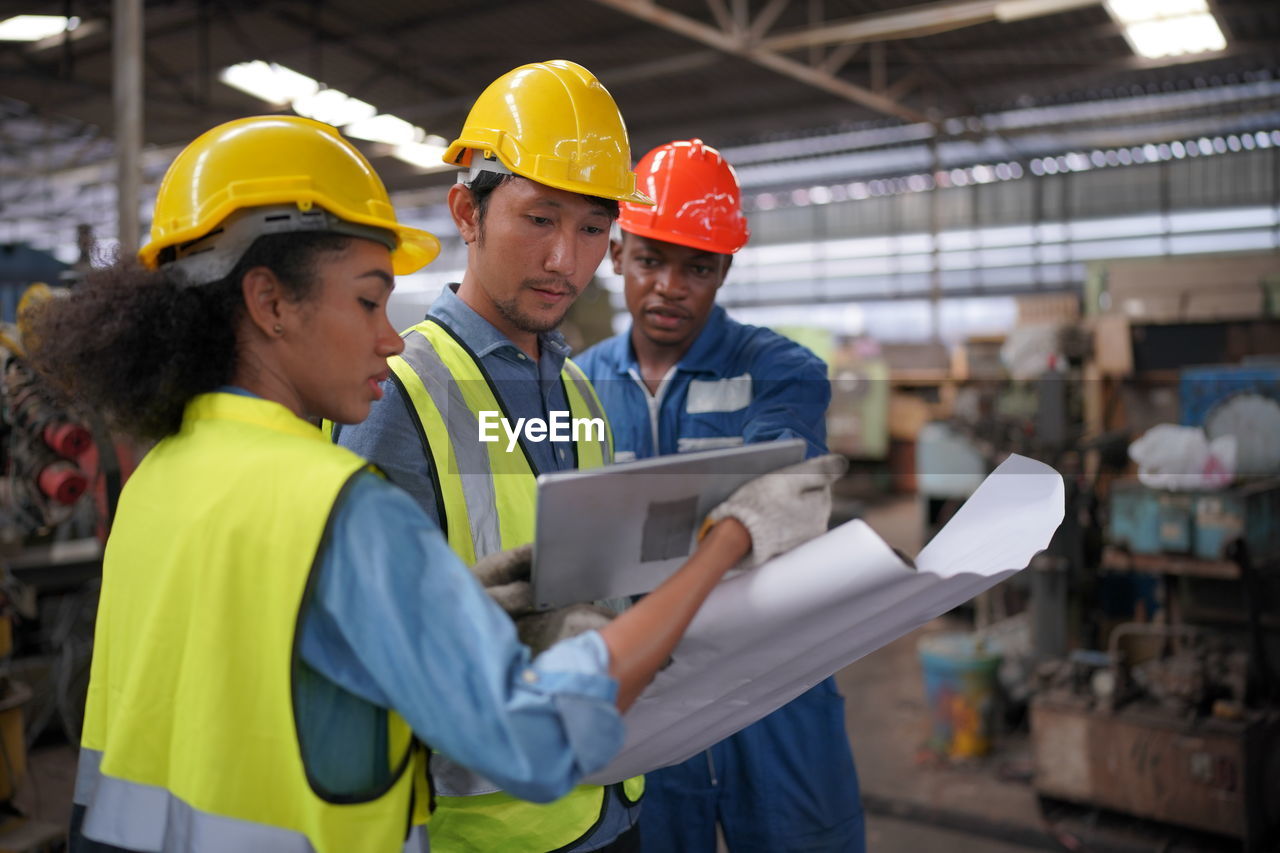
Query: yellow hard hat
x,y
554,123
271,161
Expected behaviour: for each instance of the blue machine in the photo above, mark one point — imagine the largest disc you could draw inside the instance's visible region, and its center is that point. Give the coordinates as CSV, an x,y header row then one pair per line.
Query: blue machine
x,y
1197,524
20,265
1202,388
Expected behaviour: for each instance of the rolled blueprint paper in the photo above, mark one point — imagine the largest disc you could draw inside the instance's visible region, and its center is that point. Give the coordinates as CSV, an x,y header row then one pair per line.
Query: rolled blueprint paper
x,y
767,635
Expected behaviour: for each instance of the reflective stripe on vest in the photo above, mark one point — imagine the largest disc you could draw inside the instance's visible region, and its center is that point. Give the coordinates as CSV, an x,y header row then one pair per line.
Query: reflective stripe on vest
x,y
204,577
588,396
145,817
447,389
451,426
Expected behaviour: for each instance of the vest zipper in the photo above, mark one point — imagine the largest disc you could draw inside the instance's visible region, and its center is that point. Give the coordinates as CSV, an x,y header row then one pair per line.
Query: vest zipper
x,y
711,769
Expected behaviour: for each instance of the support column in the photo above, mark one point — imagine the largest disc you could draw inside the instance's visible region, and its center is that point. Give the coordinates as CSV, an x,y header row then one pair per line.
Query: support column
x,y
127,90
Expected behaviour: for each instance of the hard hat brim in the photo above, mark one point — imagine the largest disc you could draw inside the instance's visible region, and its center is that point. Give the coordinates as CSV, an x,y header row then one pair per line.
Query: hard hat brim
x,y
460,154
681,239
415,249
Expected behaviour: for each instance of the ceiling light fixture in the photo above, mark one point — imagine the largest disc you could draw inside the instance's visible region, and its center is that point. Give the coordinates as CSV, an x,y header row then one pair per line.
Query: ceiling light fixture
x,y
1158,28
385,128
334,107
269,81
427,154
35,27
279,85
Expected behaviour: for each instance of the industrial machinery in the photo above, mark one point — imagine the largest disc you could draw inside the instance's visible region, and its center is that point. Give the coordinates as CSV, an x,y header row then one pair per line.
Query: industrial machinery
x,y
59,478
1160,728
1178,720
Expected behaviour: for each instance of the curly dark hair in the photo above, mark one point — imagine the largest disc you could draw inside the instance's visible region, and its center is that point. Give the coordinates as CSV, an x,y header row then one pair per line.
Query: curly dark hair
x,y
129,344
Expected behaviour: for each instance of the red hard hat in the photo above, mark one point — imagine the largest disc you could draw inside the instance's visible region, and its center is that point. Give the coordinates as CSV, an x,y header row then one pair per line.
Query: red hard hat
x,y
699,202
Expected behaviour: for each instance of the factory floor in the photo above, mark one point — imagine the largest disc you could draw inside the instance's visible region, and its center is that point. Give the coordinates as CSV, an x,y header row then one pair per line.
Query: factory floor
x,y
915,803
46,798
985,804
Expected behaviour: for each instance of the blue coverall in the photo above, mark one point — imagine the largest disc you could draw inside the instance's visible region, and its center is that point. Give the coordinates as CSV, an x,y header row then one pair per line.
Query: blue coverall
x,y
787,783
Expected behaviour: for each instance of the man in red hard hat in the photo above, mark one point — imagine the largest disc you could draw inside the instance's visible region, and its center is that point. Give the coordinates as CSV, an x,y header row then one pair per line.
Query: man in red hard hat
x,y
686,377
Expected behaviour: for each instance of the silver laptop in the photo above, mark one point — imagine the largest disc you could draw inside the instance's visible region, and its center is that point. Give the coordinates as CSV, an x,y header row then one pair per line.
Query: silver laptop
x,y
623,529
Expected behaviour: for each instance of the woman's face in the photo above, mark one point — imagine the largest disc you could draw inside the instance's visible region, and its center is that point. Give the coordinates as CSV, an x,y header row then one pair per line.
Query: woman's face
x,y
340,337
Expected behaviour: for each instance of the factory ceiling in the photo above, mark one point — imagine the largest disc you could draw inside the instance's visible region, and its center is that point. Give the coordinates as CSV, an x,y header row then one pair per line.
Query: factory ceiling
x,y
738,73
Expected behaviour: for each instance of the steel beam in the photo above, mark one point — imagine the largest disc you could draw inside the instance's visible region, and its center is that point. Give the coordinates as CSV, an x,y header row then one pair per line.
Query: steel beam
x,y
766,19
921,20
737,45
839,57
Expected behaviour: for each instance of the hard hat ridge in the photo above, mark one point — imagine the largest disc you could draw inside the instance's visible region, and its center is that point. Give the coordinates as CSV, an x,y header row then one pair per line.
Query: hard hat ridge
x,y
553,123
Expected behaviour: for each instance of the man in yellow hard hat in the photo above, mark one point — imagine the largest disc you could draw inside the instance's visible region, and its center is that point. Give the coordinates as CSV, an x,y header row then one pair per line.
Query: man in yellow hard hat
x,y
547,161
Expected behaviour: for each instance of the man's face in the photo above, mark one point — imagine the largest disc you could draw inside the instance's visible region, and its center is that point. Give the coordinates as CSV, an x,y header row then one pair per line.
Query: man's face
x,y
533,252
670,289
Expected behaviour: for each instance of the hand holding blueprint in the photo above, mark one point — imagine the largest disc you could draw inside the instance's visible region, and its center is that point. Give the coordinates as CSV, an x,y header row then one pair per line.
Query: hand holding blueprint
x,y
765,636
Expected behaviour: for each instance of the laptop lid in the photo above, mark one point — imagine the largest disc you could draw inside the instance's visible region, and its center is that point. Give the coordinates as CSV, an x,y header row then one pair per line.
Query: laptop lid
x,y
623,529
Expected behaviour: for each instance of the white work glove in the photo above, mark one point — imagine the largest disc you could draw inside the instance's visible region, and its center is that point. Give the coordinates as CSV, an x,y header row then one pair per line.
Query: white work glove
x,y
505,576
541,631
785,508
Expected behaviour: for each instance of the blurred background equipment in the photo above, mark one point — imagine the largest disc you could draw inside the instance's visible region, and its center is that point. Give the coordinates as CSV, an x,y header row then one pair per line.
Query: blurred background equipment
x,y
60,480
960,688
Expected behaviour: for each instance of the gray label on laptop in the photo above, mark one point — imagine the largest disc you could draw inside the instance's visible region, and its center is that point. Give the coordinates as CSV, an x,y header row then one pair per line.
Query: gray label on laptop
x,y
668,529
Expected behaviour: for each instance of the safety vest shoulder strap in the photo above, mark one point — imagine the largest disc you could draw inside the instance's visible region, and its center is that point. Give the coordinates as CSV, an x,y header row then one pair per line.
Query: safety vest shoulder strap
x,y
582,398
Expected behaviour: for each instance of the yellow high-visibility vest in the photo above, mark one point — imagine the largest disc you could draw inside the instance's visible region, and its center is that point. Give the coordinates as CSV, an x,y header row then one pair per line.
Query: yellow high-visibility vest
x,y
487,500
190,740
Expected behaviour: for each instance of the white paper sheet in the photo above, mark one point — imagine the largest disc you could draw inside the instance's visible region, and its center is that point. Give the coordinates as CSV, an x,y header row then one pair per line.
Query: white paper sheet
x,y
765,636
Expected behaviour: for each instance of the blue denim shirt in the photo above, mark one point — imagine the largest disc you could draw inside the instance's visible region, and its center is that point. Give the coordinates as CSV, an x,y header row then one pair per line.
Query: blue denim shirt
x,y
396,621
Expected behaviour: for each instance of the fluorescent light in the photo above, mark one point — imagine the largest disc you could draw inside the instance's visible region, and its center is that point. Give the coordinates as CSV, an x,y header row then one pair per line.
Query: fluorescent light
x,y
35,27
384,128
268,81
333,107
1020,10
77,30
1156,28
424,155
1190,34
276,84
1133,11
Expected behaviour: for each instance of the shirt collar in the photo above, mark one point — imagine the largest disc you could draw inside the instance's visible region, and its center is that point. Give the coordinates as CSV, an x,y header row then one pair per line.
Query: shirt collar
x,y
481,335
